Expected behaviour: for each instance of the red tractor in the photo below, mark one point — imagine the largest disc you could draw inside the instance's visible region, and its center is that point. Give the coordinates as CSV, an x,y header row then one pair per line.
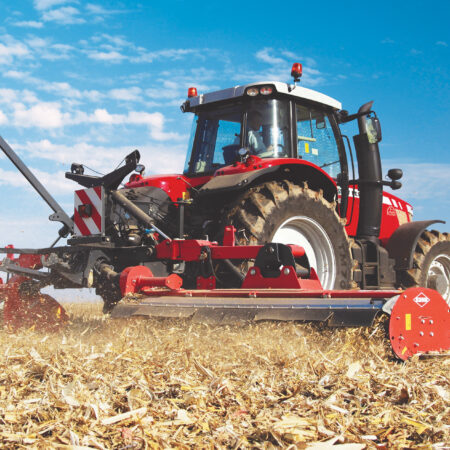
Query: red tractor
x,y
266,192
270,159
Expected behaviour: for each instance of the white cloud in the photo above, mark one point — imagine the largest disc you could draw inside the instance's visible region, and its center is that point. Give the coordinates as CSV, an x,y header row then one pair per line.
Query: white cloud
x,y
266,56
37,42
387,41
118,41
57,51
49,115
42,115
95,9
3,118
61,89
126,94
53,182
10,49
154,121
172,54
67,15
442,43
112,56
159,159
29,24
7,95
15,74
424,181
279,68
46,4
99,10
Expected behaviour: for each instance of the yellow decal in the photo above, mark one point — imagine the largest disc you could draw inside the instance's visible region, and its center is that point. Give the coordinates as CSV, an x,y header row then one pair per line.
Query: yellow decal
x,y
404,350
402,217
306,147
407,322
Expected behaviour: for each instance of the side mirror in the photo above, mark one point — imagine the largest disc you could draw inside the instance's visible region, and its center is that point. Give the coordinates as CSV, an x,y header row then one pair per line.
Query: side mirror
x,y
373,129
320,123
395,174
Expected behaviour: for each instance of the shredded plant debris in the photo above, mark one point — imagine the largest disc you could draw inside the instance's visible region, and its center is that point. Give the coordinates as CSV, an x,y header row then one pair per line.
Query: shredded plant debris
x,y
145,383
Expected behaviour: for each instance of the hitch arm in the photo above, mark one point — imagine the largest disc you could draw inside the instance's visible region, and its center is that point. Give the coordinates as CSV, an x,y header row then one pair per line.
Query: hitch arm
x,y
59,214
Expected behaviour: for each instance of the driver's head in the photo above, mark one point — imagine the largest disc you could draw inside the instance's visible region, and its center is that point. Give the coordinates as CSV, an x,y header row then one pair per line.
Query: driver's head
x,y
254,120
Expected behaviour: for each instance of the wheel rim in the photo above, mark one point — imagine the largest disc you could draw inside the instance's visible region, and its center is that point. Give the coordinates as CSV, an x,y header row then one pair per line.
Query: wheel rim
x,y
438,276
310,235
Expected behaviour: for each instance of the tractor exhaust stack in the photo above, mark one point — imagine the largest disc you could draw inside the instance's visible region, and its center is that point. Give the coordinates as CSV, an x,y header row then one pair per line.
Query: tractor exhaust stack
x,y
370,175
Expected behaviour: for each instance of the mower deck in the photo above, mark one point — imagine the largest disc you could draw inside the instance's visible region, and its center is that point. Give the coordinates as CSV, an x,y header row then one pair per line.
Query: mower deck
x,y
338,308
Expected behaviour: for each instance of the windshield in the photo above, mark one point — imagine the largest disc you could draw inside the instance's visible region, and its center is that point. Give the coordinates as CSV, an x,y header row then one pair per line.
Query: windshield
x,y
215,139
216,135
268,129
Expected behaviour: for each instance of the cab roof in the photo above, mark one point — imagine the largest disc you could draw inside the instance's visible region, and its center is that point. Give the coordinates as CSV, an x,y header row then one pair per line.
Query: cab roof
x,y
283,88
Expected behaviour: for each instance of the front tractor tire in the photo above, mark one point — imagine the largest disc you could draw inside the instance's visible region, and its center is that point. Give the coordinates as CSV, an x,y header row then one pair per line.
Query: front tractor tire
x,y
431,264
286,213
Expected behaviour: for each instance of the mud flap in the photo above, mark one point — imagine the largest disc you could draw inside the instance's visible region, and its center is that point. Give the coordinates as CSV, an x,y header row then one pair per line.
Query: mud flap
x,y
419,323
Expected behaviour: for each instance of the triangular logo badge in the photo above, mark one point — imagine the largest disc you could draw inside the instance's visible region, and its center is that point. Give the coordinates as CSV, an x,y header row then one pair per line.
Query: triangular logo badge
x,y
421,299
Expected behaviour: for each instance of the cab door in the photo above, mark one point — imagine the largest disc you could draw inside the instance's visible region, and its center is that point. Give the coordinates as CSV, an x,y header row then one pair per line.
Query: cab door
x,y
319,141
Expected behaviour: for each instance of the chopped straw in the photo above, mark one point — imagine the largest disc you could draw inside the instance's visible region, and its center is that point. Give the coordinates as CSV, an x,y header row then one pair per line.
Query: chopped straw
x,y
147,383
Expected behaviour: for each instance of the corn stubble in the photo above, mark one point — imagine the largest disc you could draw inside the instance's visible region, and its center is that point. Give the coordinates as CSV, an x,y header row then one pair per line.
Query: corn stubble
x,y
147,383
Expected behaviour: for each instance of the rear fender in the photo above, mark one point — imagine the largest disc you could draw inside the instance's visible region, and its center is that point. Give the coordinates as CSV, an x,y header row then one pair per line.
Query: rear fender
x,y
297,173
402,243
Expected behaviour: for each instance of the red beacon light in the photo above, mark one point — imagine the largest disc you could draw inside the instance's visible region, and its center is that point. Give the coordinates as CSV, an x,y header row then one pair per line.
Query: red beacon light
x,y
296,72
192,92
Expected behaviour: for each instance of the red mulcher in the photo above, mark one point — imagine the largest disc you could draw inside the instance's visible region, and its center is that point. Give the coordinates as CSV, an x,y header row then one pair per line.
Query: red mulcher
x,y
267,221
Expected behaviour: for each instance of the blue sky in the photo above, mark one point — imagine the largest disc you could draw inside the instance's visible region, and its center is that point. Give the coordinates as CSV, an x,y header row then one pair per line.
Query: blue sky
x,y
89,82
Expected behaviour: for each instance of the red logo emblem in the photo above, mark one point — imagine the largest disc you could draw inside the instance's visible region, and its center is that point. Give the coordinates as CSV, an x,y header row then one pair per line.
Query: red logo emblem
x,y
391,211
421,299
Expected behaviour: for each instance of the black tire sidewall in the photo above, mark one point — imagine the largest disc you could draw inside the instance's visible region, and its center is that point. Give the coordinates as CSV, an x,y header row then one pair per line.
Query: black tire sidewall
x,y
316,209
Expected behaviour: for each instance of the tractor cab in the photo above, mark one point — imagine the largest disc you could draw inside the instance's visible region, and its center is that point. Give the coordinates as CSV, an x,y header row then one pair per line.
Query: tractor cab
x,y
271,120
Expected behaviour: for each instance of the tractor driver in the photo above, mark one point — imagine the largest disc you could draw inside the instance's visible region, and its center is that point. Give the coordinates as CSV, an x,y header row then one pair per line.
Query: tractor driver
x,y
255,140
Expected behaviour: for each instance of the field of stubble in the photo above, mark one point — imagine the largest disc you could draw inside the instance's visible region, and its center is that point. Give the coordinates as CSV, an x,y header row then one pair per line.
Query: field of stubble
x,y
145,383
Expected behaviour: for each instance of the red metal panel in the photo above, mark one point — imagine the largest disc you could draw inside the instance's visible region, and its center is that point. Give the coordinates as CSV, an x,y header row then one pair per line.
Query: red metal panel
x,y
140,279
191,250
173,185
420,323
287,280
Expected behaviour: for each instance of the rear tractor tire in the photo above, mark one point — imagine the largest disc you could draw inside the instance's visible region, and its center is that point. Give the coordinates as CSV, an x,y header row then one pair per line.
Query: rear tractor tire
x,y
286,213
431,264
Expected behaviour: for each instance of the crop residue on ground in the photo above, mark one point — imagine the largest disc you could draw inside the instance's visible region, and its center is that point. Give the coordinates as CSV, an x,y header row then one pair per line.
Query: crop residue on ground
x,y
146,383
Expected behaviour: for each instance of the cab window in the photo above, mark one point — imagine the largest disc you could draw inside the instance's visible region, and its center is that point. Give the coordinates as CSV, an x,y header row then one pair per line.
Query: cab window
x,y
316,139
215,139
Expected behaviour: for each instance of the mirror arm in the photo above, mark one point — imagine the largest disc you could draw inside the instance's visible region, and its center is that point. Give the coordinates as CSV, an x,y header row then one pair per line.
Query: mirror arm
x,y
344,118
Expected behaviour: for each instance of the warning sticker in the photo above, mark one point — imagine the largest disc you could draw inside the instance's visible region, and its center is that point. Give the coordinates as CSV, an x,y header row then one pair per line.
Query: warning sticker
x,y
421,299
